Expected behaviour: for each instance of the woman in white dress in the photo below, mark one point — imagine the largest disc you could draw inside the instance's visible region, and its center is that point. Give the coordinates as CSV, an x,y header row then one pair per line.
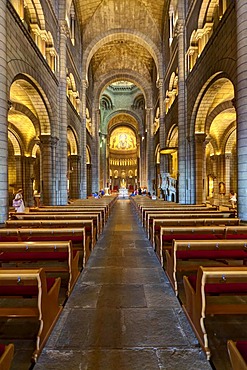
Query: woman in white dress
x,y
18,202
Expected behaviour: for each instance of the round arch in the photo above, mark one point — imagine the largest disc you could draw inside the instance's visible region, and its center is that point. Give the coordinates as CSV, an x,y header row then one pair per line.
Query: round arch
x,y
129,35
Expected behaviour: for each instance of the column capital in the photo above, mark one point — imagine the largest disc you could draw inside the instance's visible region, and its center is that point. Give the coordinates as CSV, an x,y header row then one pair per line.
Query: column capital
x,y
160,83
200,137
85,84
179,28
64,30
48,140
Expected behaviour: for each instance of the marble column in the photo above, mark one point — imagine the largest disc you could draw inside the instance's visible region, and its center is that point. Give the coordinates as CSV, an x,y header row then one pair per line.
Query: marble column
x,y
3,116
241,106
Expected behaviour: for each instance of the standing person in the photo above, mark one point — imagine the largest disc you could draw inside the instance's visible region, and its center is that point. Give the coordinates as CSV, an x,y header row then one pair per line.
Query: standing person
x,y
233,199
18,202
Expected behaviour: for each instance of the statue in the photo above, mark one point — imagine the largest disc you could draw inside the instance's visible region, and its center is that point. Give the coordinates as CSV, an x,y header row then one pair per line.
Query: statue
x,y
123,184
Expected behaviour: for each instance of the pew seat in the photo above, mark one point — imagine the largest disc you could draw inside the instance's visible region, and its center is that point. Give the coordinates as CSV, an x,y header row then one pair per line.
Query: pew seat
x,y
6,356
205,295
33,296
237,351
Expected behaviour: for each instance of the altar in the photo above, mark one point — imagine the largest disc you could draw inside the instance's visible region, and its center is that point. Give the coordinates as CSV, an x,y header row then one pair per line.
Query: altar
x,y
123,193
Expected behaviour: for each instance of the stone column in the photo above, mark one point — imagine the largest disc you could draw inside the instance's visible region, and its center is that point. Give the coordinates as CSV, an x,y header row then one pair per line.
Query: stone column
x,y
74,176
191,196
3,117
199,166
182,132
48,170
89,179
63,150
221,172
216,180
29,178
19,172
150,149
95,150
83,186
142,162
103,161
241,98
228,157
162,133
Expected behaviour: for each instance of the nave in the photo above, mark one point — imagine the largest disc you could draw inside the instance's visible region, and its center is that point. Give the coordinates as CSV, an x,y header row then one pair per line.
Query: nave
x,y
122,313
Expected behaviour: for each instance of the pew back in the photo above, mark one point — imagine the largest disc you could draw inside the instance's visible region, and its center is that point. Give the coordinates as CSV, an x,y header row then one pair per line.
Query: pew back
x,y
192,220
167,234
58,257
188,255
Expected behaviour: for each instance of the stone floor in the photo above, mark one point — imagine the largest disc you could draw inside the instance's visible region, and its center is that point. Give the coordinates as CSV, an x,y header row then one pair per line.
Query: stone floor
x,y
123,314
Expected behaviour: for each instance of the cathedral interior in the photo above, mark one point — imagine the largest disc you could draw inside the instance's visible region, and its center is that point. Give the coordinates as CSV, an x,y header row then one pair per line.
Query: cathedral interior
x,y
111,94
123,95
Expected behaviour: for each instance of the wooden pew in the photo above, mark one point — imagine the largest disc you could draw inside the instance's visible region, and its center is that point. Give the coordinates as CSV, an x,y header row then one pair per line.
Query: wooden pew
x,y
236,232
150,216
76,235
31,286
59,258
9,235
167,234
237,351
197,233
194,219
187,209
73,209
87,224
188,255
147,219
95,216
205,295
6,356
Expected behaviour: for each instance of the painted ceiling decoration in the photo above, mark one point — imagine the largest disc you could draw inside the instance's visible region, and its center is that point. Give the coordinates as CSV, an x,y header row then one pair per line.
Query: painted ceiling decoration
x,y
123,139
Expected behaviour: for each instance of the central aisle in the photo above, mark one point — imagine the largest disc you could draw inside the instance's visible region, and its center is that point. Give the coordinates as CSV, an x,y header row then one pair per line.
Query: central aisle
x,y
122,314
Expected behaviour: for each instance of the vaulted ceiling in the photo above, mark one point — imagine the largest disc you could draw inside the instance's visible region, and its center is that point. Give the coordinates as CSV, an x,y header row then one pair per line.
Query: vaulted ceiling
x,y
125,35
